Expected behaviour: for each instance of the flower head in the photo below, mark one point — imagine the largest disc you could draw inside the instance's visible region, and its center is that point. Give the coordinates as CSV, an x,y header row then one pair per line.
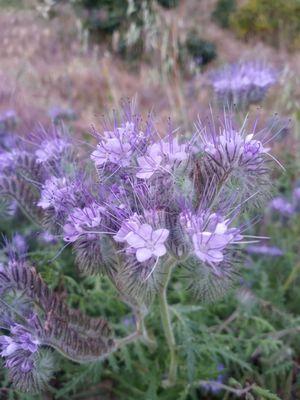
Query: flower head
x,y
57,193
117,146
161,156
233,149
243,83
142,239
81,221
211,236
282,206
21,339
51,149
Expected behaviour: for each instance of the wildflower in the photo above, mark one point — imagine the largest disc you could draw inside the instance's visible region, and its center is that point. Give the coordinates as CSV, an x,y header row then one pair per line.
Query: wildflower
x,y
233,149
149,163
296,199
46,237
272,251
51,149
130,225
115,147
213,385
20,340
161,156
296,194
236,158
6,160
8,121
243,83
114,151
19,244
282,206
57,193
210,236
142,239
81,221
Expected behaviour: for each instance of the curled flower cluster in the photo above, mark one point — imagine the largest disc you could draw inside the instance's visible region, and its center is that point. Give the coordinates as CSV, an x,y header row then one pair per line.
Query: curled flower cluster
x,y
19,348
243,83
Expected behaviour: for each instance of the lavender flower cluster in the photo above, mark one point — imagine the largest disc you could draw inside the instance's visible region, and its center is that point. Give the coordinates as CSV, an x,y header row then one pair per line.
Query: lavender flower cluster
x,y
142,202
243,83
157,196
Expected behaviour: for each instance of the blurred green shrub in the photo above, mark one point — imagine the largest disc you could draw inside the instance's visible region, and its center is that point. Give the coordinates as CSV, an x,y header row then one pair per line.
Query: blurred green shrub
x,y
276,22
168,3
200,50
103,16
224,9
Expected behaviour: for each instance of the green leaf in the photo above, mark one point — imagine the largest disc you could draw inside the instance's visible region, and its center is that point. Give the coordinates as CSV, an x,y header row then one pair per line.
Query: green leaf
x,y
265,393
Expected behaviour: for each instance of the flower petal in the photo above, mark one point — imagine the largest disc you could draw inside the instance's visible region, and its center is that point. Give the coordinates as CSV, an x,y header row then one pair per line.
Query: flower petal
x,y
160,250
143,254
134,240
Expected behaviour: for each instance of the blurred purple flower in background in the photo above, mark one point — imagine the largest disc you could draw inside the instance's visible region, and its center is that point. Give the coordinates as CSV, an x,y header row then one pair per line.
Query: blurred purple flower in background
x,y
243,83
213,386
282,206
58,114
8,121
272,251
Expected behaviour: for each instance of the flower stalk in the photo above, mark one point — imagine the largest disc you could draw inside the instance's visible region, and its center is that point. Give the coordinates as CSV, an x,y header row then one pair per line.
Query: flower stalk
x,y
167,326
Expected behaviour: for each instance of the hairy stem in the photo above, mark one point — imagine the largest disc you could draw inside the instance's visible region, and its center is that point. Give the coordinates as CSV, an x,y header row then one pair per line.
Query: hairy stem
x,y
167,326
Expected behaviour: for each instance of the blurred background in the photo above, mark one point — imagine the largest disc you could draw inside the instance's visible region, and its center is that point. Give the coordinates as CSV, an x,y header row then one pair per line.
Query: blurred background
x,y
70,62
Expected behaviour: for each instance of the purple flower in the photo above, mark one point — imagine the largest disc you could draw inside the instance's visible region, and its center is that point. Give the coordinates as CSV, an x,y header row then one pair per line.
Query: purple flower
x,y
81,221
296,199
131,224
116,146
282,206
161,156
243,83
51,149
210,236
213,386
150,163
296,194
57,193
142,239
8,159
8,121
233,149
47,237
265,250
113,151
19,244
57,114
20,340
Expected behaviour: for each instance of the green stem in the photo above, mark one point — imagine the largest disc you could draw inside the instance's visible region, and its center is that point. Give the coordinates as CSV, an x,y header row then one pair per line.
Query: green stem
x,y
167,327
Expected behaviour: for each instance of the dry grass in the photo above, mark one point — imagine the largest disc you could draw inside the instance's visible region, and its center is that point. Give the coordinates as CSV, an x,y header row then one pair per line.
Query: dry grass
x,y
44,64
